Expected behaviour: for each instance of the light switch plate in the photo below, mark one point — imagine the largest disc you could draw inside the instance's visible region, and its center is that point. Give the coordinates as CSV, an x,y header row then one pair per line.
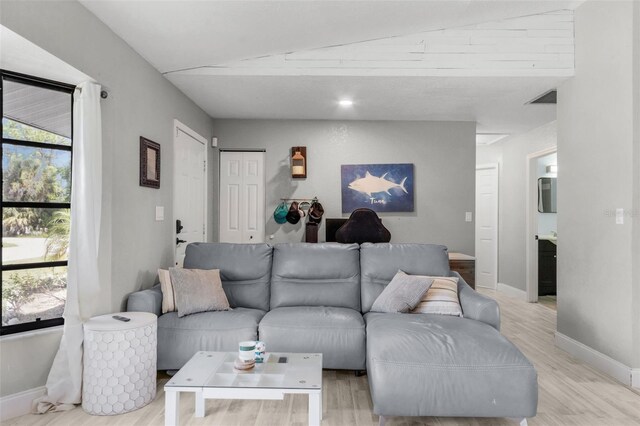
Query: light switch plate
x,y
159,213
468,217
619,216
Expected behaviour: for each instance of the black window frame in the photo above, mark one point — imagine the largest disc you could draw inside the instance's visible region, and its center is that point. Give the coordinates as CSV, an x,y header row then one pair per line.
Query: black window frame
x,y
60,87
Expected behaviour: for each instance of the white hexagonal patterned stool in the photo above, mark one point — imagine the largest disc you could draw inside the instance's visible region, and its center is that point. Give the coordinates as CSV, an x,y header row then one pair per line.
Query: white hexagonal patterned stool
x,y
119,363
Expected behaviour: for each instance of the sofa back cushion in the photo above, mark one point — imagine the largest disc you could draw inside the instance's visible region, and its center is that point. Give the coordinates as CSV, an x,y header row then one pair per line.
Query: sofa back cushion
x,y
380,262
325,274
245,270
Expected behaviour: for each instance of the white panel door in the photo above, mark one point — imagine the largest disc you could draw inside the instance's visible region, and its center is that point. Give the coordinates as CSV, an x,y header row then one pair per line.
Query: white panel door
x,y
487,226
189,191
242,191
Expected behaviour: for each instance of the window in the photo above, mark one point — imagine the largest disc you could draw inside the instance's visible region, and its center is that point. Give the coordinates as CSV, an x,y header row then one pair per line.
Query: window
x,y
37,145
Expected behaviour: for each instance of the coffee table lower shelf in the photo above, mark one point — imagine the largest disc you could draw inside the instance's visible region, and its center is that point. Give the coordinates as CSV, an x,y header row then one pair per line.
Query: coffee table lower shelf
x,y
172,400
209,375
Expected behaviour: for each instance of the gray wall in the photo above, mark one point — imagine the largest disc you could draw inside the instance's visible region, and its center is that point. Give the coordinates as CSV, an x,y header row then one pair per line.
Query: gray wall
x,y
443,154
511,154
596,176
141,103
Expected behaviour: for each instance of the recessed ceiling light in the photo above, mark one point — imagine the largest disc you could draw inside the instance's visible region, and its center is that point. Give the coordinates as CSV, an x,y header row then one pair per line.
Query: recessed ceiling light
x,y
345,103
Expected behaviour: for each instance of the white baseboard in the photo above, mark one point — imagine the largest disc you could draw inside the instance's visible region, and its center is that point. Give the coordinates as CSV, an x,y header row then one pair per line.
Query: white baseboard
x,y
596,359
512,291
19,404
635,378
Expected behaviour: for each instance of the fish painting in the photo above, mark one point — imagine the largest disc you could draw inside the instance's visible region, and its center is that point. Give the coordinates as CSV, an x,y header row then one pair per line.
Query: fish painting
x,y
370,184
379,187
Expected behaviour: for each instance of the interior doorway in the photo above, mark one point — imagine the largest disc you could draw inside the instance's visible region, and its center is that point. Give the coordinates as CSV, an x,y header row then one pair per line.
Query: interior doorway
x,y
242,196
487,225
189,189
541,227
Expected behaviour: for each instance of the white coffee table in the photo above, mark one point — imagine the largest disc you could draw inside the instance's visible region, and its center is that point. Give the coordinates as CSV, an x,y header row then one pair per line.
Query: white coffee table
x,y
210,375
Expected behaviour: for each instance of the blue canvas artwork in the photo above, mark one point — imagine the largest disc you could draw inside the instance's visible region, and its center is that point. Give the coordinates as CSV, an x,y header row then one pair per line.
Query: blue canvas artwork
x,y
379,187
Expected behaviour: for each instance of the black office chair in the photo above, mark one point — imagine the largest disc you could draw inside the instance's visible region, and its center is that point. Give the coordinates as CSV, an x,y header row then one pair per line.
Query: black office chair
x,y
363,226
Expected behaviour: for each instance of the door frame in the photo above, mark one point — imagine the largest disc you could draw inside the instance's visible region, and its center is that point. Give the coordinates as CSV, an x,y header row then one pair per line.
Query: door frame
x,y
497,231
178,126
531,228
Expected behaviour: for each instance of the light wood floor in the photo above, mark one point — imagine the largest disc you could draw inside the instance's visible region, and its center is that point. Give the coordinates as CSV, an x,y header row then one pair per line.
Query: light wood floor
x,y
571,393
549,302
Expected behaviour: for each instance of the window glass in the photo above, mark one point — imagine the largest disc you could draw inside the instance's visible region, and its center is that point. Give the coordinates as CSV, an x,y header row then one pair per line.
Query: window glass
x,y
29,294
33,113
36,200
35,174
34,235
18,131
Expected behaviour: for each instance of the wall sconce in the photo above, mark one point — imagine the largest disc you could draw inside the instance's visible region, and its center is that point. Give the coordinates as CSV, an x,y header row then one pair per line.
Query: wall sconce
x,y
299,162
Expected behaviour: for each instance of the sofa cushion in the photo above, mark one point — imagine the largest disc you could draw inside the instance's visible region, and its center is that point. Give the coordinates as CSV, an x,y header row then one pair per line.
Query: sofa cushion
x,y
402,294
434,365
337,333
380,262
180,338
245,270
326,274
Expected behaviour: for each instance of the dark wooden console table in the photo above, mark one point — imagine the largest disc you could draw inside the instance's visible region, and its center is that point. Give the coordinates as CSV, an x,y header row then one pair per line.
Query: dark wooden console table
x,y
465,265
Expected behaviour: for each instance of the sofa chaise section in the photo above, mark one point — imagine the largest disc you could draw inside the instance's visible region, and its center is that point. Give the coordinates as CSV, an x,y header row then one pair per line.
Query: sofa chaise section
x,y
453,366
436,365
315,304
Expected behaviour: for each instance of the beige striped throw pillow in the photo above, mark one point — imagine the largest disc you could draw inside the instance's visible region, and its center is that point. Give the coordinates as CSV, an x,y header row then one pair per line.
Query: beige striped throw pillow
x,y
441,298
168,295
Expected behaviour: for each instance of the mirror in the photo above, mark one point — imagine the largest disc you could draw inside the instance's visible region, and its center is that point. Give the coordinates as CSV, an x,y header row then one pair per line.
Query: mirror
x,y
547,189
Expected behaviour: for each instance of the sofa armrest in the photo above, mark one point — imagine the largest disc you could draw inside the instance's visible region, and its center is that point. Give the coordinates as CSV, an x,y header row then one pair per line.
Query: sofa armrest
x,y
477,306
146,301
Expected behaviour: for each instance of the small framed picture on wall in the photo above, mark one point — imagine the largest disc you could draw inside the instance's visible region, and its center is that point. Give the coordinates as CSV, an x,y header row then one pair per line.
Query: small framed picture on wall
x,y
149,163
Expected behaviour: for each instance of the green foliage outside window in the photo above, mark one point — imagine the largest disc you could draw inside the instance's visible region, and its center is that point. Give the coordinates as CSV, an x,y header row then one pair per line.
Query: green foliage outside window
x,y
35,175
15,130
22,287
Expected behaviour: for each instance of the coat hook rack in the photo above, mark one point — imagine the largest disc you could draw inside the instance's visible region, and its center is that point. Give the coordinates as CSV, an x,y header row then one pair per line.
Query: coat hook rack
x,y
314,199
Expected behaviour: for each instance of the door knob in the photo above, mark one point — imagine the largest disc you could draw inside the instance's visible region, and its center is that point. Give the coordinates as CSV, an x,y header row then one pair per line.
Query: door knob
x,y
179,241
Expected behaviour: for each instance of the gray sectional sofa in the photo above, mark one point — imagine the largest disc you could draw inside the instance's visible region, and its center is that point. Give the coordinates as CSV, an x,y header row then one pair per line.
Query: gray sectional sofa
x,y
317,298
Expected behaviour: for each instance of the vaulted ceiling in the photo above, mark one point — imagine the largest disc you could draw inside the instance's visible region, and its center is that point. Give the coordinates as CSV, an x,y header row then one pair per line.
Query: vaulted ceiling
x,y
397,60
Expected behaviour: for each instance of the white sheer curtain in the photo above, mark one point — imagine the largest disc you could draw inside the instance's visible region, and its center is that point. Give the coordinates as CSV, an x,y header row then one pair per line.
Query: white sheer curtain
x,y
64,384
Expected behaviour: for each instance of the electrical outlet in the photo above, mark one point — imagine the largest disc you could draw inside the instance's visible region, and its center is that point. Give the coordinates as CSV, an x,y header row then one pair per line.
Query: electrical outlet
x,y
619,216
159,213
468,217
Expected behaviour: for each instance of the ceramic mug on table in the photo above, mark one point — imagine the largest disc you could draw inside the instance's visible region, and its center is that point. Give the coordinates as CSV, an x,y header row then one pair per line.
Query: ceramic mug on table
x,y
260,350
247,350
